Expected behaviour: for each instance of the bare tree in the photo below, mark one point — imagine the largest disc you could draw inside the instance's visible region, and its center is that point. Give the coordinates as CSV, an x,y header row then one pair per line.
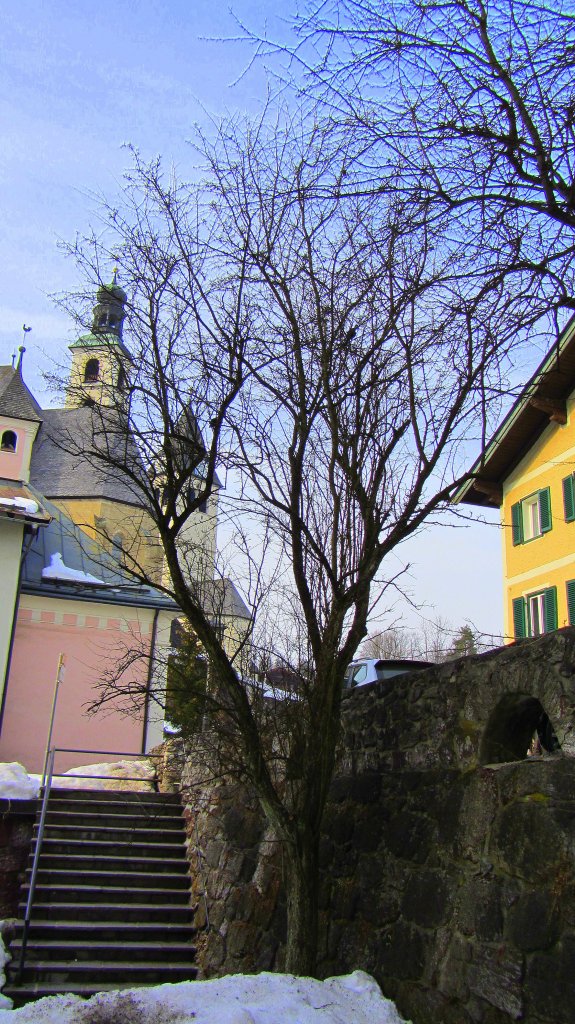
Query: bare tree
x,y
331,356
390,643
463,106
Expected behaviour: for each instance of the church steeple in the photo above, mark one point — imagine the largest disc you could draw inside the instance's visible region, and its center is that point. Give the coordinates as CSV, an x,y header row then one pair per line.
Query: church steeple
x,y
100,360
109,310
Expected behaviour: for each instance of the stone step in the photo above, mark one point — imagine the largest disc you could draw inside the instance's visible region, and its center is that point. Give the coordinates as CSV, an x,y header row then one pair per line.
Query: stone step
x,y
160,803
99,949
118,848
127,865
112,903
129,795
103,893
109,931
119,819
65,879
95,971
110,910
23,994
99,833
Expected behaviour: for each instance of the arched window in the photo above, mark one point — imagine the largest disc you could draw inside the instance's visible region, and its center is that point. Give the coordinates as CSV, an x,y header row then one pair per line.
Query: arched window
x,y
9,441
91,371
513,726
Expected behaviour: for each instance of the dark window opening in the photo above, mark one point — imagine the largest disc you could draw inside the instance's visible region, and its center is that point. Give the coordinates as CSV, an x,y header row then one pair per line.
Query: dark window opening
x,y
517,727
9,441
91,371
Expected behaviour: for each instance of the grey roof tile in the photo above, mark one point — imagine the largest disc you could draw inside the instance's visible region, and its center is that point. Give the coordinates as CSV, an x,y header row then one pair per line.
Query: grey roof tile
x,y
61,469
15,399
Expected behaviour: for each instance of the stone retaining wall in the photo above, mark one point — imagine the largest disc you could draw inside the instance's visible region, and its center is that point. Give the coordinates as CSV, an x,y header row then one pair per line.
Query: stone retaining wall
x,y
448,860
16,821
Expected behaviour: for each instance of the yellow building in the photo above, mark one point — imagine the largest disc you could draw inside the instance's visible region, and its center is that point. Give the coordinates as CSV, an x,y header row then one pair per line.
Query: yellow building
x,y
528,470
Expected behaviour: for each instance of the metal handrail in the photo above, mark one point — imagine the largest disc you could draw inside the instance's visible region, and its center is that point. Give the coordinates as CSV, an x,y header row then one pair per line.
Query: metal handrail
x,y
48,773
47,785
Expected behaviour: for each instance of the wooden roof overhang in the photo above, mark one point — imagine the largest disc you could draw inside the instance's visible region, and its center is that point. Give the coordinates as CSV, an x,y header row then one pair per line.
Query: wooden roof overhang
x,y
543,400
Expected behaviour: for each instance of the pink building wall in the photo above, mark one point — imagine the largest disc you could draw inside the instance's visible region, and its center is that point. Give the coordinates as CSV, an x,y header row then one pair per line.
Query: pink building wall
x,y
93,637
16,465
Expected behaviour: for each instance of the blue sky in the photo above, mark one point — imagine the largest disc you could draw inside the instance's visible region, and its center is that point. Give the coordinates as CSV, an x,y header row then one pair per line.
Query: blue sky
x,y
79,81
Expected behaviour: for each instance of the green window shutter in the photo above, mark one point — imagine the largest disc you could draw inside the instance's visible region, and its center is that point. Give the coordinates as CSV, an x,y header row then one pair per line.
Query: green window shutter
x,y
550,605
517,523
519,618
571,601
545,512
569,499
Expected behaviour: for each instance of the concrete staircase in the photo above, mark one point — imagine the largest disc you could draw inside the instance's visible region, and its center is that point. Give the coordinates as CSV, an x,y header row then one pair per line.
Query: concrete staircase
x,y
112,901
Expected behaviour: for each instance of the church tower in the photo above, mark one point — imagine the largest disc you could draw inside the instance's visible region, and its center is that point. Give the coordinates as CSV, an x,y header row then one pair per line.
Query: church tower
x,y
100,360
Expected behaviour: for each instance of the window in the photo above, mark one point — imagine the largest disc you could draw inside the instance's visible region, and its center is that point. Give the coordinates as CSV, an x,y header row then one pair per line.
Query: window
x,y
569,498
9,441
91,371
531,517
535,614
570,585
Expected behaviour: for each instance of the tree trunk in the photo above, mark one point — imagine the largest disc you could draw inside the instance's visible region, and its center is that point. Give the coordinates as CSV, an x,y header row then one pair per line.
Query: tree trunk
x,y
302,893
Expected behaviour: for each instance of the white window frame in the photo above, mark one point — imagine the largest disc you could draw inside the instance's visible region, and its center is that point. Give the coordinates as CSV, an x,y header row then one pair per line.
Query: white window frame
x,y
531,517
536,613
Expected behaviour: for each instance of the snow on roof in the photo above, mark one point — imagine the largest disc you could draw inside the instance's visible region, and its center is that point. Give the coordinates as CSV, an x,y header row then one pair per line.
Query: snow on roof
x,y
238,999
19,502
62,558
58,571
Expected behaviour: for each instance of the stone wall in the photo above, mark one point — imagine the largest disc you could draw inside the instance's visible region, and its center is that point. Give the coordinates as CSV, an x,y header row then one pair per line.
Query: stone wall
x,y
235,865
448,858
16,822
452,879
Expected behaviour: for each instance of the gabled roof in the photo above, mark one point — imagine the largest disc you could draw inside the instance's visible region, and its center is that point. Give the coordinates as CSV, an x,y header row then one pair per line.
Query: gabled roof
x,y
220,597
542,400
85,558
15,399
60,470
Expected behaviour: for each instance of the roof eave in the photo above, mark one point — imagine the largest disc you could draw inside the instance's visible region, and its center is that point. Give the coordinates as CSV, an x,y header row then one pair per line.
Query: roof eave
x,y
516,419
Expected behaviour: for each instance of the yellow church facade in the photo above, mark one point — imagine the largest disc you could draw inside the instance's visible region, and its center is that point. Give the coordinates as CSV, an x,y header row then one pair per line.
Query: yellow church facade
x,y
528,470
102,502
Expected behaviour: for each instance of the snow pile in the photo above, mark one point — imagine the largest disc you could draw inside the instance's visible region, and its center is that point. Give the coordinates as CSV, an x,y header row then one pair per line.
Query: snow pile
x,y
238,999
57,570
16,784
118,775
136,776
5,1002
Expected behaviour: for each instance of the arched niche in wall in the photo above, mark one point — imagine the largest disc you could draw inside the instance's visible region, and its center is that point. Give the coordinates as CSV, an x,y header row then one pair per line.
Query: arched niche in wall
x,y
514,724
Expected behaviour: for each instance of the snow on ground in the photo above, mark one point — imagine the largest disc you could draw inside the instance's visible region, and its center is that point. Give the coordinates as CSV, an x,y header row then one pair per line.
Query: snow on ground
x,y
118,775
16,784
5,1002
138,776
238,999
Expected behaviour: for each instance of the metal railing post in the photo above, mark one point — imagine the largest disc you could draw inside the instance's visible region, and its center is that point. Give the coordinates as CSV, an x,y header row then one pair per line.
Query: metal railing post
x,y
47,785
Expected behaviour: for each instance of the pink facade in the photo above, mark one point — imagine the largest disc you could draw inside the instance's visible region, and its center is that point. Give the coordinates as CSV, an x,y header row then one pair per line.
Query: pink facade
x,y
16,439
93,638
